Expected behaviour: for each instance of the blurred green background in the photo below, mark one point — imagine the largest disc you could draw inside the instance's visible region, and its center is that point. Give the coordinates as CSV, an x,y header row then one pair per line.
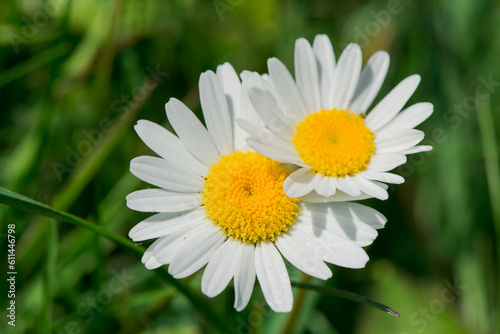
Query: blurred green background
x,y
74,80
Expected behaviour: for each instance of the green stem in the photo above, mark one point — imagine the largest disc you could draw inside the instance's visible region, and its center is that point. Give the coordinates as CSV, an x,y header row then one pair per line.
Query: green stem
x,y
24,203
491,164
299,303
346,295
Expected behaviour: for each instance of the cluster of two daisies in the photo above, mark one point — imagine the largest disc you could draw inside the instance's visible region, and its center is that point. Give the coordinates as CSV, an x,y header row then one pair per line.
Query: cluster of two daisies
x,y
275,171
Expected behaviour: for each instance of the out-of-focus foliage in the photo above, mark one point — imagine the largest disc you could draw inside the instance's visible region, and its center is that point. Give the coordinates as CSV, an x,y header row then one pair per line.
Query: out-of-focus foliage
x,y
73,83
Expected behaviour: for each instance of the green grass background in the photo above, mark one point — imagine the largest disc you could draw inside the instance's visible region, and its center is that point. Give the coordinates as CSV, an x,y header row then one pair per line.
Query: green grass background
x,y
74,67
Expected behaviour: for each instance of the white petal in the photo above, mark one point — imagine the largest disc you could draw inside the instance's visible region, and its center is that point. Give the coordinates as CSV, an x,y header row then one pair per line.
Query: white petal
x,y
306,74
220,268
216,112
295,250
315,218
346,77
244,277
148,258
160,200
382,176
392,103
191,132
195,253
331,247
164,174
370,81
299,183
325,188
273,277
286,88
409,118
342,252
339,196
267,108
231,86
370,188
163,224
397,141
168,146
166,247
347,185
323,50
417,149
360,212
279,153
386,162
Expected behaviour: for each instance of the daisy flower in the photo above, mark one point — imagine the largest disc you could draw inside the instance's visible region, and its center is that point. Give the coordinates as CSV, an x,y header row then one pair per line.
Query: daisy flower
x,y
317,121
222,205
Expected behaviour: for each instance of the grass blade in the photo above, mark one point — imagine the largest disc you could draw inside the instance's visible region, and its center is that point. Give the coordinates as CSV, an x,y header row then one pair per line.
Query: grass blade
x,y
24,203
346,295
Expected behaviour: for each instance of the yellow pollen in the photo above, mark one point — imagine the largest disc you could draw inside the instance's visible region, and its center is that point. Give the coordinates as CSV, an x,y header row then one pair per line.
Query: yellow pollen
x,y
334,143
244,195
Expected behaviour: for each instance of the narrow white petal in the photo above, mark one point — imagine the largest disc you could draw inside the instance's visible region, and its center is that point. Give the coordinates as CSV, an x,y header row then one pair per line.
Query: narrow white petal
x,y
299,183
148,258
279,153
325,187
314,218
268,110
339,196
273,277
347,185
370,188
286,88
166,247
216,112
346,77
323,50
169,146
164,174
152,263
386,162
163,224
409,118
220,268
382,176
191,132
195,253
231,86
398,141
160,200
306,74
333,248
295,250
244,276
370,81
246,110
392,103
417,149
359,212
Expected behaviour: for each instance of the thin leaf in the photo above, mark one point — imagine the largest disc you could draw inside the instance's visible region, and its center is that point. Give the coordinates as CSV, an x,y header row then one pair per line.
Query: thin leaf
x,y
24,203
346,295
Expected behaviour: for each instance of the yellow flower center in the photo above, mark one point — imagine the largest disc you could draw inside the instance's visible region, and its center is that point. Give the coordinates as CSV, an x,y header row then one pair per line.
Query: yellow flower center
x,y
334,143
244,195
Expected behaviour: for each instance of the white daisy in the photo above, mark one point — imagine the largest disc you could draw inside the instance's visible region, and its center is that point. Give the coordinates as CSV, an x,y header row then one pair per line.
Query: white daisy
x,y
223,206
317,121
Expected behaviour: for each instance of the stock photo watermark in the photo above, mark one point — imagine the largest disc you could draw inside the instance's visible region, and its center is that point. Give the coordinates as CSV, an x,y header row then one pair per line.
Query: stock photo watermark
x,y
94,137
453,116
32,25
223,6
11,274
96,303
428,314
